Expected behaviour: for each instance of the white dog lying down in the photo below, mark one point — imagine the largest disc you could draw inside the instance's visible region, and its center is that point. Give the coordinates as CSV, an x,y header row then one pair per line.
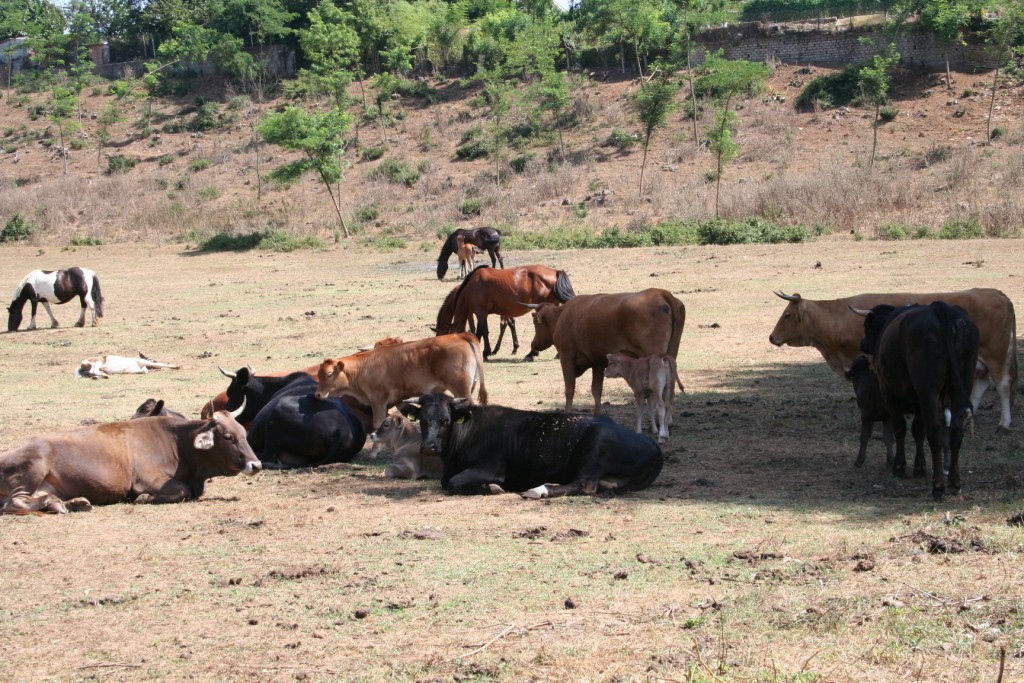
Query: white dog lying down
x,y
102,367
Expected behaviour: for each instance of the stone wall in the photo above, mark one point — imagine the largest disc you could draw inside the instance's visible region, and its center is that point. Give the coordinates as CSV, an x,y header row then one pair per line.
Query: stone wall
x,y
830,47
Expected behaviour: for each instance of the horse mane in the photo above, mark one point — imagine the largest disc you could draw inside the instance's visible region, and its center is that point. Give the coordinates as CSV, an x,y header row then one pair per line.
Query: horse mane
x,y
446,313
563,287
447,249
453,299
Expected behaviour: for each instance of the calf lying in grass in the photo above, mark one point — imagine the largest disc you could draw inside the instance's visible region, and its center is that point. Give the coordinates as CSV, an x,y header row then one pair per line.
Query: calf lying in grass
x,y
402,437
653,380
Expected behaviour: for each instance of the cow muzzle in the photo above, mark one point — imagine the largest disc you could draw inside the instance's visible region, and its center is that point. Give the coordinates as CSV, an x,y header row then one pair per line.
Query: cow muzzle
x,y
252,467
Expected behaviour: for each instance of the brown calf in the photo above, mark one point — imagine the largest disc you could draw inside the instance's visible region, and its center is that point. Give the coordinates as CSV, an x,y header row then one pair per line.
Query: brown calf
x,y
402,437
653,380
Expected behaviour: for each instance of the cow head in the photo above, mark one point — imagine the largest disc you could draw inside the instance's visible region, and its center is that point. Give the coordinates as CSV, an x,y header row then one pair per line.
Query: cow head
x,y
331,379
545,318
618,365
389,433
225,444
790,329
436,414
242,383
875,321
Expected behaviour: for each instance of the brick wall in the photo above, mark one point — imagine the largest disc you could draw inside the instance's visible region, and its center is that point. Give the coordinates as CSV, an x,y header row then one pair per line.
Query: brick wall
x,y
759,42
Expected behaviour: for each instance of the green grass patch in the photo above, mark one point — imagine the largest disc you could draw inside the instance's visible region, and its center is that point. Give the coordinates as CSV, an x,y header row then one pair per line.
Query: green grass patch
x,y
620,139
365,214
85,241
373,153
199,165
208,193
120,163
386,243
397,172
272,240
474,149
962,229
471,207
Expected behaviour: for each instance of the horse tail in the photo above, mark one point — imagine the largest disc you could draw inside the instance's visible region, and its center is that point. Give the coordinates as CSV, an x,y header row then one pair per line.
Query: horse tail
x,y
446,314
97,296
447,249
563,287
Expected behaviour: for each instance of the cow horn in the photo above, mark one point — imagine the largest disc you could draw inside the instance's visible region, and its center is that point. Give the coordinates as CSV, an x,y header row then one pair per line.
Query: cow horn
x,y
533,306
224,372
459,401
863,312
236,413
251,369
788,297
413,401
368,347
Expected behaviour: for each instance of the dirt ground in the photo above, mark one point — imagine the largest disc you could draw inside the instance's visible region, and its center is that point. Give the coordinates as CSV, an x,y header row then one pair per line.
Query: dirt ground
x,y
760,554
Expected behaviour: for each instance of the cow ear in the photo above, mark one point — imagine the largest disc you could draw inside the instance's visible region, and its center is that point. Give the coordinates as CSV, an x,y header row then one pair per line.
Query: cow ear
x,y
411,411
461,412
204,440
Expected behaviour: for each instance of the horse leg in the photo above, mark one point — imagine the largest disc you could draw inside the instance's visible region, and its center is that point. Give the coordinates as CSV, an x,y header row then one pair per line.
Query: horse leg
x,y
32,322
497,251
515,339
81,318
53,320
501,334
494,263
482,334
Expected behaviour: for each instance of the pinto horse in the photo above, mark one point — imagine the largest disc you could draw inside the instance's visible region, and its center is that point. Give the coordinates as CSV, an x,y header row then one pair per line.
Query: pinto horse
x,y
58,286
488,239
487,291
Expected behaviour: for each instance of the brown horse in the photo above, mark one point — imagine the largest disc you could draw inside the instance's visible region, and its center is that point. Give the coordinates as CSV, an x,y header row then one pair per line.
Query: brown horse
x,y
488,239
487,291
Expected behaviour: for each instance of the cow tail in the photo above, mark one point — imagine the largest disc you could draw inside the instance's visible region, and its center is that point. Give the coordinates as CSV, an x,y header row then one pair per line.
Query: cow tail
x,y
563,287
675,373
955,334
97,296
1013,357
478,354
678,321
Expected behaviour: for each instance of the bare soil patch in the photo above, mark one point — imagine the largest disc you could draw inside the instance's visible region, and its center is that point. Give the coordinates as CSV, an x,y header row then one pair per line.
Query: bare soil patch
x,y
760,554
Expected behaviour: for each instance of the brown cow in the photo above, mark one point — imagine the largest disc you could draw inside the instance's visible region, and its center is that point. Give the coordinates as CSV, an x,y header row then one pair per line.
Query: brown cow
x,y
653,380
586,329
835,331
402,437
156,460
383,377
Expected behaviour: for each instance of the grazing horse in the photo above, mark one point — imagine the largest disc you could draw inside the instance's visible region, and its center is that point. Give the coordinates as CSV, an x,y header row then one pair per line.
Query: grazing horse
x,y
58,286
487,291
488,239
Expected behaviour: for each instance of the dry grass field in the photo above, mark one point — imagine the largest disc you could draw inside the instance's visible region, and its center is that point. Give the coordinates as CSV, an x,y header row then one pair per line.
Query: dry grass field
x,y
759,555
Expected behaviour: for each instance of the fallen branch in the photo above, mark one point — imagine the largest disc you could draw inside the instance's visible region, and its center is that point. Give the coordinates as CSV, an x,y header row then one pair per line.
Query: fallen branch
x,y
490,642
110,665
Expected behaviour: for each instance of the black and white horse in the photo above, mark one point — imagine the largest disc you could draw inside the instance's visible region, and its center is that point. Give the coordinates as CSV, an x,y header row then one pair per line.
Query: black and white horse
x,y
58,286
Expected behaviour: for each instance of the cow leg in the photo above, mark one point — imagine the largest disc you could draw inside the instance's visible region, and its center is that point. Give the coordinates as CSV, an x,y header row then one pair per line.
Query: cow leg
x,y
473,480
173,491
402,468
558,490
888,440
917,430
53,320
20,503
569,377
899,430
956,438
380,413
596,385
866,428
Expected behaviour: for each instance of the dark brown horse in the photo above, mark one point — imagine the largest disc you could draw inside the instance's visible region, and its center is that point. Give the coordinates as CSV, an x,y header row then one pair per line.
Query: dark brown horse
x,y
488,239
487,291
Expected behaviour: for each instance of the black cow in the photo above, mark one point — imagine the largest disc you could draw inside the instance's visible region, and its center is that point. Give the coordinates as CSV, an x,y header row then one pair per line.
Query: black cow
x,y
872,409
924,356
256,390
296,429
154,408
540,455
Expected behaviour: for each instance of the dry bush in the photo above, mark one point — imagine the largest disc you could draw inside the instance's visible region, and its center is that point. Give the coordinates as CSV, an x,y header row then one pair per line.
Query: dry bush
x,y
1013,165
562,182
963,169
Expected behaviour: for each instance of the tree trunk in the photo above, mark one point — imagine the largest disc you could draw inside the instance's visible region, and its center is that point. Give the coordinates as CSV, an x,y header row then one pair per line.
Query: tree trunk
x,y
99,155
643,164
874,135
949,76
639,68
991,106
622,56
337,206
63,148
693,95
721,151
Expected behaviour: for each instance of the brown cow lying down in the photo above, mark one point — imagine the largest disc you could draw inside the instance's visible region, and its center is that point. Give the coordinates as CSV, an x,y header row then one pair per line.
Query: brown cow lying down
x,y
156,460
400,436
102,367
382,377
653,380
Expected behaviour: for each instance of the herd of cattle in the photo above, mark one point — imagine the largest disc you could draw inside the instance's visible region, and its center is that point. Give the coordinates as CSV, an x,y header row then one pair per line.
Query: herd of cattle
x,y
906,354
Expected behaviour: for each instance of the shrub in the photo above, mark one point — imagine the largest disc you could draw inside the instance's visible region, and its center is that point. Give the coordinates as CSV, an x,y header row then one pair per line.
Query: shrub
x,y
17,228
936,154
997,133
471,134
285,242
207,117
520,163
443,231
831,90
888,113
239,102
174,126
85,241
119,163
373,153
275,240
165,159
199,164
620,139
386,243
961,229
471,150
397,172
751,231
365,214
208,193
78,143
893,231
471,207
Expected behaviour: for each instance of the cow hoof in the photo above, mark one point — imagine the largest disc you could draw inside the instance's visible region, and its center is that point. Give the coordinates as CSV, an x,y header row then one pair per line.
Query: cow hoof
x,y
535,493
494,488
1003,430
78,505
937,492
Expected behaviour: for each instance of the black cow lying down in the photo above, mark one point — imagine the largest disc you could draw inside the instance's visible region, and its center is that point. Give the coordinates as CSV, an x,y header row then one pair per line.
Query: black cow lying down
x,y
540,455
296,429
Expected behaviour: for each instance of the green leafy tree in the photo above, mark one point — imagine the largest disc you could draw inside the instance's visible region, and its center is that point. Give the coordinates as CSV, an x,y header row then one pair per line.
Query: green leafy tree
x,y
1005,31
61,108
652,104
444,32
318,138
111,113
551,95
13,20
874,80
725,81
948,20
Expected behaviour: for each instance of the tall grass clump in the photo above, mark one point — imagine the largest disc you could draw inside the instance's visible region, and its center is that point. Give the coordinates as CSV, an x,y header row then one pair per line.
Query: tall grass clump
x,y
961,229
270,240
397,172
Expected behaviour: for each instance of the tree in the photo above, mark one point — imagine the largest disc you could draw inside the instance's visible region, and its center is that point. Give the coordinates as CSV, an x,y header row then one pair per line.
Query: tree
x,y
874,80
948,19
444,31
318,138
551,94
61,107
652,105
110,114
13,20
1006,30
723,81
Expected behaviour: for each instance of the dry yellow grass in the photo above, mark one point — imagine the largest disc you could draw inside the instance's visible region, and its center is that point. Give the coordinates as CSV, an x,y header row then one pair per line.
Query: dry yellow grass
x,y
739,564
